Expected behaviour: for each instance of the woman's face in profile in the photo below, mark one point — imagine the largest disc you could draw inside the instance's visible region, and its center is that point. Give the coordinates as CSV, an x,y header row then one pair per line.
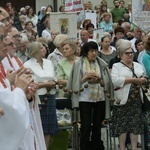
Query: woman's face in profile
x,y
92,54
68,51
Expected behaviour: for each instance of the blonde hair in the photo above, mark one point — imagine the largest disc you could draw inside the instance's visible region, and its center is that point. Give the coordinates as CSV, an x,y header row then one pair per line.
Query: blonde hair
x,y
71,43
60,38
42,40
106,14
33,47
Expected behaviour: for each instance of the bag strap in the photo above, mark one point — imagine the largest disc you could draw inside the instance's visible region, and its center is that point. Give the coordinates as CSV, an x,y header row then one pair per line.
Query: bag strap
x,y
132,69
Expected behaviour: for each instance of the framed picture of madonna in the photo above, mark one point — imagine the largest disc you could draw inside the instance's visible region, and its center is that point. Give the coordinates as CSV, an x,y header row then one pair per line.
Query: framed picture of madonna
x,y
65,23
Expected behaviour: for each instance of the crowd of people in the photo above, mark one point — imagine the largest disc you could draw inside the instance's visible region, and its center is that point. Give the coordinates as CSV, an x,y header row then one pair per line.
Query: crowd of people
x,y
38,64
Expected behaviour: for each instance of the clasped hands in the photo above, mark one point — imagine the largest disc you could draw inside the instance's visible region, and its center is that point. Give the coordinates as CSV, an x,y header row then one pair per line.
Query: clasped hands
x,y
21,78
141,80
91,77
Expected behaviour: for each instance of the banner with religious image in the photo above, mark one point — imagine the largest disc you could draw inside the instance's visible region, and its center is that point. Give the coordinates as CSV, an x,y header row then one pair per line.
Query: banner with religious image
x,y
141,14
75,6
65,23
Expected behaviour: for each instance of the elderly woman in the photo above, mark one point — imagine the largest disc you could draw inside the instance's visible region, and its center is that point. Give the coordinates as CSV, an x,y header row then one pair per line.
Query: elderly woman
x,y
127,77
88,78
43,74
65,66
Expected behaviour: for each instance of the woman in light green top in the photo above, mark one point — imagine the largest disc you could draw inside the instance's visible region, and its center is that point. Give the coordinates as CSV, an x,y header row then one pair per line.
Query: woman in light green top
x,y
65,66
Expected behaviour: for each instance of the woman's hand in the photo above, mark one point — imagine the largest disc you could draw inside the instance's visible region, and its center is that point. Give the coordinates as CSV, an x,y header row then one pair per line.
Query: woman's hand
x,y
31,90
11,76
51,84
23,81
140,81
91,76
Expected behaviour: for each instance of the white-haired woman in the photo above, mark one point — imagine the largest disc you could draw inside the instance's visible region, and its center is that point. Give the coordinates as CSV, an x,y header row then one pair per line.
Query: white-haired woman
x,y
127,77
65,66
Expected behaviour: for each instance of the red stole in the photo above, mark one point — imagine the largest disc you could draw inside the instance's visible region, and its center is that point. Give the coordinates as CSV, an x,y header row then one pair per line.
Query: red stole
x,y
2,80
2,69
19,62
9,60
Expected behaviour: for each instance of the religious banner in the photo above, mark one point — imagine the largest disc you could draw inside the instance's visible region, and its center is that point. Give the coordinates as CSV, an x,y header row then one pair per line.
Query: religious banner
x,y
141,14
65,23
75,6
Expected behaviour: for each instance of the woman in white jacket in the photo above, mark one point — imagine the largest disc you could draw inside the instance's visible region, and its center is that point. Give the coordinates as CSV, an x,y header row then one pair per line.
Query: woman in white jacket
x,y
127,76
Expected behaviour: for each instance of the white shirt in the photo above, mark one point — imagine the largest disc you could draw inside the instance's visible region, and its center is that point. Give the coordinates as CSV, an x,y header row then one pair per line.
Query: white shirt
x,y
6,64
140,58
14,124
34,20
46,34
23,56
119,73
133,44
41,75
15,64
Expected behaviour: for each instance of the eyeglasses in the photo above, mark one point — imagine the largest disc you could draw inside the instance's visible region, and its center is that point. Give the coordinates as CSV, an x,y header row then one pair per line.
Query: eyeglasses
x,y
17,36
5,20
129,53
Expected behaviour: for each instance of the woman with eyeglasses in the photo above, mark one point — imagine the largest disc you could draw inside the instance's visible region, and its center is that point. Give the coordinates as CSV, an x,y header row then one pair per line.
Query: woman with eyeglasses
x,y
127,77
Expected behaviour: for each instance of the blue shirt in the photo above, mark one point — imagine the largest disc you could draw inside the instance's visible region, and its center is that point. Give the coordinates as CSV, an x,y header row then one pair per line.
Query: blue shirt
x,y
146,63
108,27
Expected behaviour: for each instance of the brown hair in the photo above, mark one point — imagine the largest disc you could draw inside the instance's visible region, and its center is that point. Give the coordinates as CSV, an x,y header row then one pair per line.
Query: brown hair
x,y
147,45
